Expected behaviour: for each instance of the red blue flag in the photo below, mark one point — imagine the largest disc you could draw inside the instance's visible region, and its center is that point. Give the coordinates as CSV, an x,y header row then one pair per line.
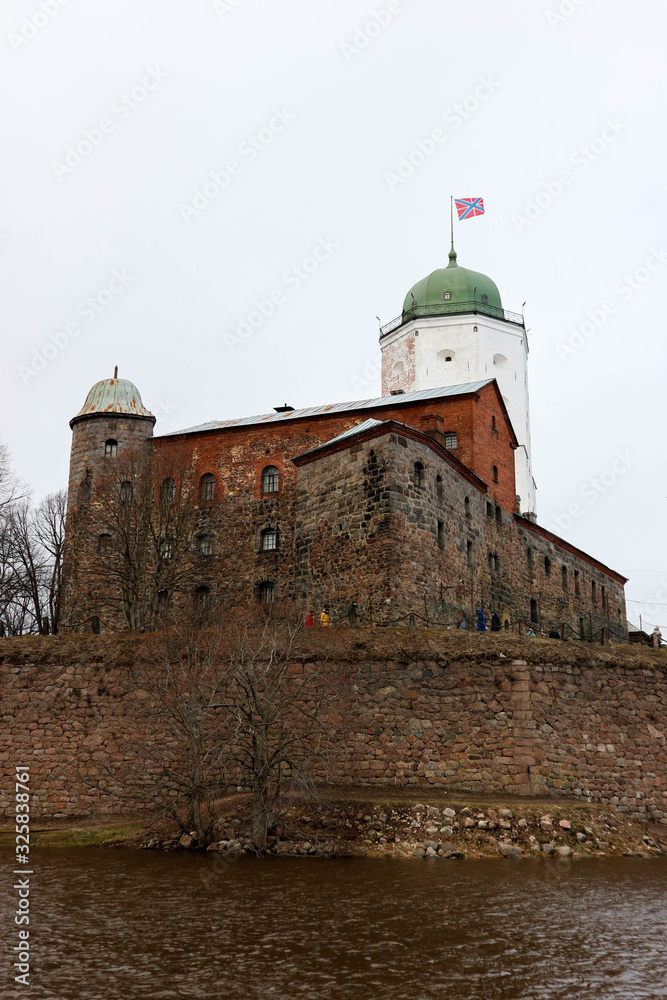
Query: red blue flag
x,y
469,207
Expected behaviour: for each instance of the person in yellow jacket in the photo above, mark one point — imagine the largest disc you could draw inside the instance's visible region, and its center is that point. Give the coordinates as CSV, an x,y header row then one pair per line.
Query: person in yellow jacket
x,y
324,617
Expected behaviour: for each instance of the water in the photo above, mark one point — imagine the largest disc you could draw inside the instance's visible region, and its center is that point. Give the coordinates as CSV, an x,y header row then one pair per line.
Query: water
x,y
128,925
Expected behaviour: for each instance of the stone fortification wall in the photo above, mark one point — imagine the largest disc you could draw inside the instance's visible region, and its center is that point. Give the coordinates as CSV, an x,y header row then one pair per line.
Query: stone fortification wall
x,y
480,713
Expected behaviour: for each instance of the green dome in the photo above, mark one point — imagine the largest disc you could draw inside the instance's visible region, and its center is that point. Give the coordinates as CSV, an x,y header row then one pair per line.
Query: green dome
x,y
462,284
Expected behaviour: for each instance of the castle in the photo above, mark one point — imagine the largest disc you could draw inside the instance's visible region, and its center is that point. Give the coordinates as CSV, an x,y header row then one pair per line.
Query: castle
x,y
419,502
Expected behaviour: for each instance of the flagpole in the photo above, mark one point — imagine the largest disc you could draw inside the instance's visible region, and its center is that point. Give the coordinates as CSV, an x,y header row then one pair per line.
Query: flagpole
x,y
451,216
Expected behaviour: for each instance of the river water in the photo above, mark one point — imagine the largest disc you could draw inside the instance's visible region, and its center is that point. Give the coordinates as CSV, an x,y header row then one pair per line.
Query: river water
x,y
127,925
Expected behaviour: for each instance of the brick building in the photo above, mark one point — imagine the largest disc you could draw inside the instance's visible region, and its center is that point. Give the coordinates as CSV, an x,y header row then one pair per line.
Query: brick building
x,y
404,504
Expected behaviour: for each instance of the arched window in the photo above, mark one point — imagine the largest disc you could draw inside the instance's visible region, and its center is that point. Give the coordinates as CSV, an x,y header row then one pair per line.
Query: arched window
x,y
104,543
441,534
485,299
167,548
495,473
207,486
398,368
500,361
594,592
267,593
547,566
447,354
534,611
494,562
270,479
205,545
162,597
269,540
466,507
418,475
563,573
110,448
475,329
125,491
447,296
168,490
438,487
451,441
202,598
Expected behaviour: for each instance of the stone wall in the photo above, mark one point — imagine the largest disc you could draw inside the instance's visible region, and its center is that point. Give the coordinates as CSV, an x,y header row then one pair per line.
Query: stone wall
x,y
480,713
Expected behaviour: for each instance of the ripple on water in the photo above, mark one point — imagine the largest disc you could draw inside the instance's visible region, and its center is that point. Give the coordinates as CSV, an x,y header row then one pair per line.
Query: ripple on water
x,y
114,925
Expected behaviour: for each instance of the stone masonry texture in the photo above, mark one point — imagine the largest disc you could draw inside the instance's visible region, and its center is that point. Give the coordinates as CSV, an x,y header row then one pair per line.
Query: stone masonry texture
x,y
478,713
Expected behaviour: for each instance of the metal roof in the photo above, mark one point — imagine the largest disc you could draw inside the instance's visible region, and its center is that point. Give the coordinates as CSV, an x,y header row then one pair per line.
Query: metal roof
x,y
315,411
367,425
113,396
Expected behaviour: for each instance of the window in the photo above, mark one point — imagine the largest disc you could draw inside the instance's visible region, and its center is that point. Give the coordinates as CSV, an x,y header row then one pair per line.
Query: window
x,y
270,479
582,629
110,448
489,509
202,598
594,592
162,601
604,599
205,545
563,573
167,548
207,486
475,329
438,487
125,491
494,562
451,441
446,354
398,368
530,558
267,593
494,473
534,611
447,296
104,543
577,583
499,514
547,566
469,552
466,508
441,534
485,299
168,490
500,361
418,475
493,423
269,540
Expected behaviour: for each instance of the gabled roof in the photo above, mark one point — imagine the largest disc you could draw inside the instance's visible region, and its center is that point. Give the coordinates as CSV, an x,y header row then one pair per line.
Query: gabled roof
x,y
356,405
376,428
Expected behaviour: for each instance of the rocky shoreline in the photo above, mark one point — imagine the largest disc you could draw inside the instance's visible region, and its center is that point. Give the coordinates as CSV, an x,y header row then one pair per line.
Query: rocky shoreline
x,y
451,831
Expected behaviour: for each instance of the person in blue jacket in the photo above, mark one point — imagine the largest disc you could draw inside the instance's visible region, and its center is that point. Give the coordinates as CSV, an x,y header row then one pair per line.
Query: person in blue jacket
x,y
481,620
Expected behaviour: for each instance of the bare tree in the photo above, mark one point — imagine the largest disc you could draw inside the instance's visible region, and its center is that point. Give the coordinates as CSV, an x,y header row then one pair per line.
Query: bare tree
x,y
177,757
147,506
49,530
284,734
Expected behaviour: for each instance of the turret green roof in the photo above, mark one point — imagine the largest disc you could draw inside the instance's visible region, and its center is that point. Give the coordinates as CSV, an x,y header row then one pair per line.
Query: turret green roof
x,y
462,284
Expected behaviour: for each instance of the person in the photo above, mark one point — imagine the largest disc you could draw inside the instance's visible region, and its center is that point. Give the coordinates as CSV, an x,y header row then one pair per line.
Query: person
x,y
481,620
463,621
530,632
309,619
554,634
324,617
496,623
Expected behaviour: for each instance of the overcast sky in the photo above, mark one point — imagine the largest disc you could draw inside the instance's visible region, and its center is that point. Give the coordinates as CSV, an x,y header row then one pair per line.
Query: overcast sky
x,y
169,164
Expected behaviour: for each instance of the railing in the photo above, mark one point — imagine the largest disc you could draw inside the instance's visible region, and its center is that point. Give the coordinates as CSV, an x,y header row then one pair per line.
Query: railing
x,y
451,309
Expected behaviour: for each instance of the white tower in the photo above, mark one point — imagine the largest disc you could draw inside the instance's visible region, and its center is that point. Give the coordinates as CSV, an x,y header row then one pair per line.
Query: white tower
x,y
453,329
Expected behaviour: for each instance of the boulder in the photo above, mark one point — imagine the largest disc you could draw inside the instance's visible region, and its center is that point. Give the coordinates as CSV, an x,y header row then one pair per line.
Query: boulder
x,y
522,824
564,824
509,850
564,851
431,853
548,848
449,813
446,831
186,841
430,844
468,822
505,814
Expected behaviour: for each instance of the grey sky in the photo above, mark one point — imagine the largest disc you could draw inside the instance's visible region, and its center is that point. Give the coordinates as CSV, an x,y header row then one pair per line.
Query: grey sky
x,y
542,87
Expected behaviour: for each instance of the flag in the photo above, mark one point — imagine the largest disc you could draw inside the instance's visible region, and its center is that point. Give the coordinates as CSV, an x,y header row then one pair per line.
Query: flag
x,y
468,207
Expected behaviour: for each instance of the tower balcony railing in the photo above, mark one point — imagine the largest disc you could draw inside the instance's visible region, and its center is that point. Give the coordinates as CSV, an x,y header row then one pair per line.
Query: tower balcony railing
x,y
451,309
